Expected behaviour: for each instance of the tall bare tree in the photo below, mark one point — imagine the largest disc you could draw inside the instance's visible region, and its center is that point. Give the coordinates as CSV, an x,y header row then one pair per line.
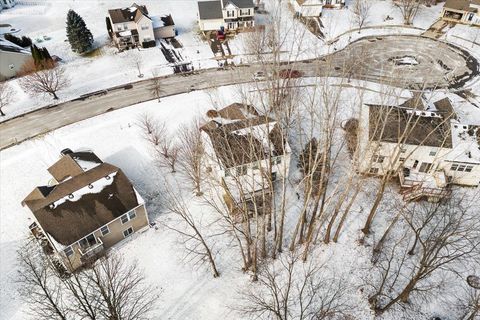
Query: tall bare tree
x,y
121,289
408,9
290,289
439,238
45,81
39,285
191,154
361,11
196,243
165,149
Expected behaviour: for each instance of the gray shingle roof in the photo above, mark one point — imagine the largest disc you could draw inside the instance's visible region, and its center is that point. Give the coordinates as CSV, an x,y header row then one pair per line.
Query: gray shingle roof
x,y
240,3
210,10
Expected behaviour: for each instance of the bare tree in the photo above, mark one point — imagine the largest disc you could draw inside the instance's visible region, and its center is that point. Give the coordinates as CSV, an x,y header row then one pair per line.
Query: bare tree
x,y
6,96
439,238
39,285
191,154
136,62
408,9
163,145
196,243
361,11
121,289
46,81
290,289
156,86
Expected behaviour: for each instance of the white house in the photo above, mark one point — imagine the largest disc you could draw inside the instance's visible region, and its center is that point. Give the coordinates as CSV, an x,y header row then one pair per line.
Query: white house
x,y
462,11
246,151
227,14
425,143
131,27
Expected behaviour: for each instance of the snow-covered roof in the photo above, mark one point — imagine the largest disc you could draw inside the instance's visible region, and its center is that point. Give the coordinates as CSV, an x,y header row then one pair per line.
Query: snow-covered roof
x,y
83,203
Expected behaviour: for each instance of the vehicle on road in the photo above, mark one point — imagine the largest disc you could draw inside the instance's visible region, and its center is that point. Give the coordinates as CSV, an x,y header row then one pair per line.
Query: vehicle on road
x,y
290,73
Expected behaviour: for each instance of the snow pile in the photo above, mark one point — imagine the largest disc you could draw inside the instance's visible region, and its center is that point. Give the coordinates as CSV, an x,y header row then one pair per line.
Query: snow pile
x,y
94,187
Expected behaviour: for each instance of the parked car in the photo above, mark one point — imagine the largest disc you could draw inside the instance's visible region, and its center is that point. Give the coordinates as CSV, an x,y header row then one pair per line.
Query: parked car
x,y
259,76
290,73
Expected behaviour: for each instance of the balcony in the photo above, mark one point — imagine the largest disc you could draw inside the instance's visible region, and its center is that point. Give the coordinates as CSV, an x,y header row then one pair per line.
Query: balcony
x,y
417,185
92,252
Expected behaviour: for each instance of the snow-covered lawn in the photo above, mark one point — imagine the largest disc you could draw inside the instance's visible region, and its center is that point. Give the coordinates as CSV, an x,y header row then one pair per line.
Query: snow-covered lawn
x,y
188,292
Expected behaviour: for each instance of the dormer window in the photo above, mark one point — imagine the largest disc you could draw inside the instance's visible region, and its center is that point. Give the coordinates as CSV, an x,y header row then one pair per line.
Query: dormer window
x,y
70,196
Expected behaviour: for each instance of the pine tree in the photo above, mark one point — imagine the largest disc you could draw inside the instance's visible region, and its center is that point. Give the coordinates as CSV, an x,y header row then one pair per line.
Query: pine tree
x,y
36,55
78,35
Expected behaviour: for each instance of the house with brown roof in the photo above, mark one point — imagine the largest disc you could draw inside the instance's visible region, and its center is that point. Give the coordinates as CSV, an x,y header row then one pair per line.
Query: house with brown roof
x,y
425,143
246,151
131,27
85,209
462,11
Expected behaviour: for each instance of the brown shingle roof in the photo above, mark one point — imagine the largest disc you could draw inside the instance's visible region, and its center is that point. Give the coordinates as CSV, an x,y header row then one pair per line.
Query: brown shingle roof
x,y
234,149
397,124
121,15
463,5
71,220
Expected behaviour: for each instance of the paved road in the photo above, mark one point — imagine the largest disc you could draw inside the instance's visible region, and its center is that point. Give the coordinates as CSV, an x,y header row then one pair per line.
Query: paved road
x,y
406,61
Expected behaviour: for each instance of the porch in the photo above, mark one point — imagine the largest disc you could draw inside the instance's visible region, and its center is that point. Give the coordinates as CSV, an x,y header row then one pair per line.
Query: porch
x,y
91,252
416,185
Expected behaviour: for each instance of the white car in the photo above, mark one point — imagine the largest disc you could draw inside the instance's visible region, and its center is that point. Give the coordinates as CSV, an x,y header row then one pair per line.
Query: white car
x,y
259,76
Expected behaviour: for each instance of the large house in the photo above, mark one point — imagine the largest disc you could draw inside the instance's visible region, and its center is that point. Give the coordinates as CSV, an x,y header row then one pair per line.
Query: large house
x,y
246,152
12,58
226,14
131,27
87,207
425,143
462,11
313,8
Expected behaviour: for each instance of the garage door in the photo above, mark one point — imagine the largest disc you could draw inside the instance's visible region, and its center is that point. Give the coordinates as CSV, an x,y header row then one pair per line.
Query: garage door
x,y
211,25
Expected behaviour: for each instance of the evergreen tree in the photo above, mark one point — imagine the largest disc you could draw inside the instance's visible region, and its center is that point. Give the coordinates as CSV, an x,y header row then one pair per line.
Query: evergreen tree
x,y
78,35
36,55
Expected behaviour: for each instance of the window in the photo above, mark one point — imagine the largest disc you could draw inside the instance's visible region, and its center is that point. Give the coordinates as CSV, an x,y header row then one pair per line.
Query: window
x,y
104,230
403,150
402,159
425,167
144,27
128,216
277,160
433,153
68,251
373,170
378,159
461,167
88,241
132,215
127,232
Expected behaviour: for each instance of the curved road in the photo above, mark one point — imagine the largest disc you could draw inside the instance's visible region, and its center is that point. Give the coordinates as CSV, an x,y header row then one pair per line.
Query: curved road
x,y
403,61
